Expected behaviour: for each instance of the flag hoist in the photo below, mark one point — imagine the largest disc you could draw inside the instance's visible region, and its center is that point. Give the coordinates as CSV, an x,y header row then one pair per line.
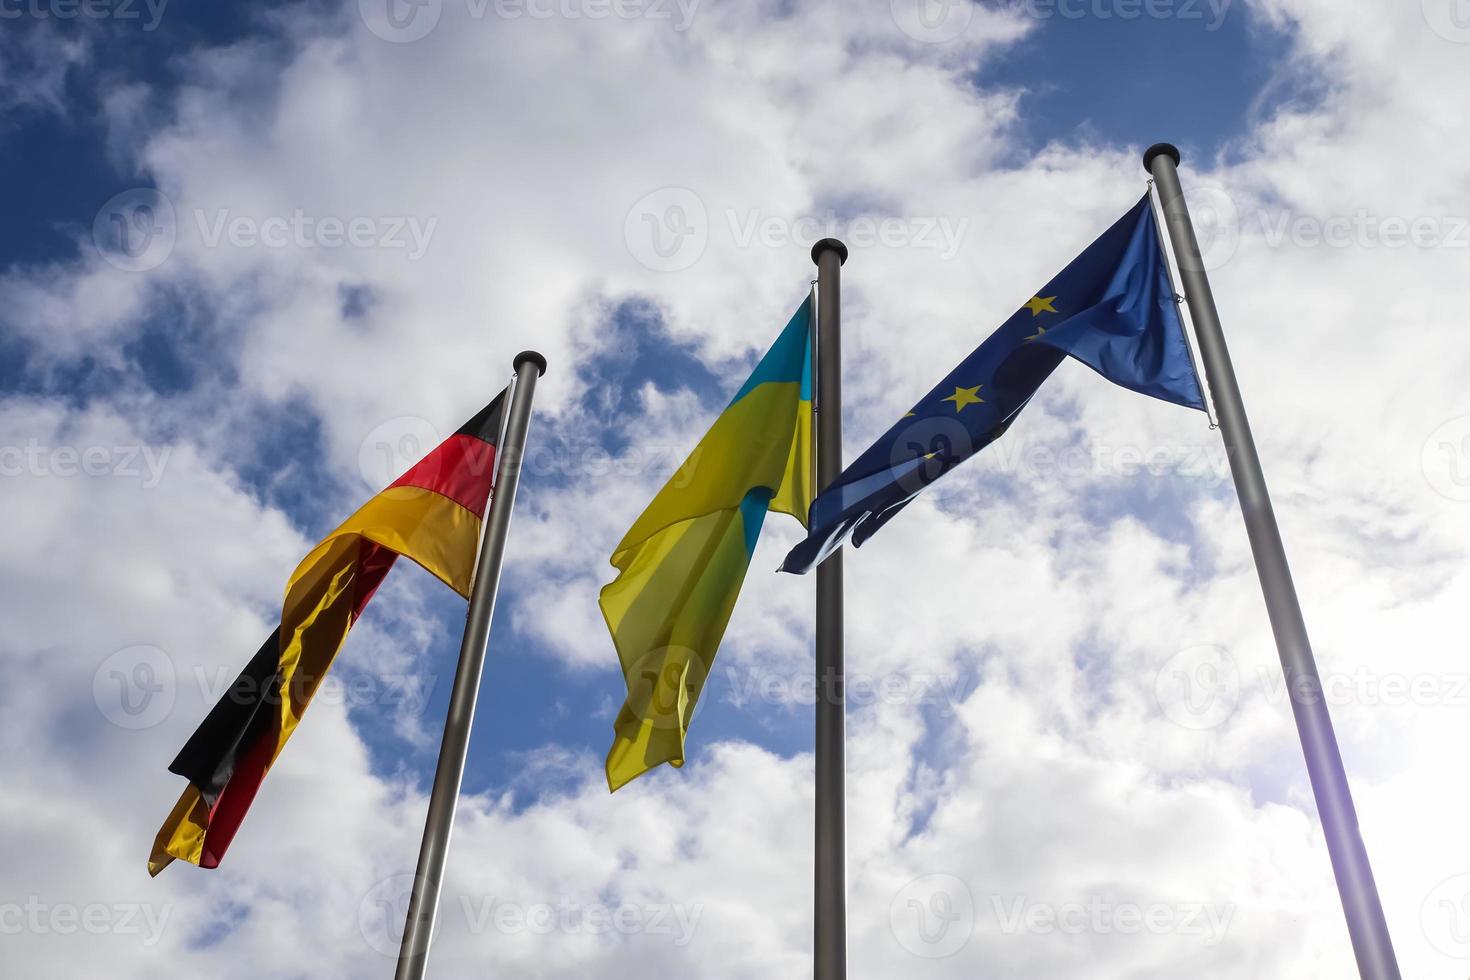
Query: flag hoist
x,y
681,566
1372,946
450,513
1114,309
829,909
423,903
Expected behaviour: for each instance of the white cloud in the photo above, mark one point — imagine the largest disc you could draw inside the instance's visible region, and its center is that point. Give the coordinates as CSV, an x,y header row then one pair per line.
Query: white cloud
x,y
38,60
1053,786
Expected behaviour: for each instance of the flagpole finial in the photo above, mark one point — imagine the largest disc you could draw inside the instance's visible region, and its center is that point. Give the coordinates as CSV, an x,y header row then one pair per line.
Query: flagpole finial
x,y
1160,150
535,358
834,245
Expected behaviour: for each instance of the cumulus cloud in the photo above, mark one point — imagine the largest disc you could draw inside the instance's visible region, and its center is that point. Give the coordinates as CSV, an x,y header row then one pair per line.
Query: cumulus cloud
x,y
1026,793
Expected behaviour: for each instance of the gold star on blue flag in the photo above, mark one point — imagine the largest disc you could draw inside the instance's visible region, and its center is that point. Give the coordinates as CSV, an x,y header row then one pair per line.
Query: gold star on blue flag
x,y
965,396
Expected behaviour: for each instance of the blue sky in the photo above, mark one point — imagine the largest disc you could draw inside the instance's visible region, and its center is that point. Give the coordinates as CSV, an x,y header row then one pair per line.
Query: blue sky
x,y
1113,80
66,160
1080,79
1198,83
1057,605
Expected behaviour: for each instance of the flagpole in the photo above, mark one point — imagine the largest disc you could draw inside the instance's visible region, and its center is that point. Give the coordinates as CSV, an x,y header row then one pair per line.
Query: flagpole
x,y
423,907
1366,926
830,878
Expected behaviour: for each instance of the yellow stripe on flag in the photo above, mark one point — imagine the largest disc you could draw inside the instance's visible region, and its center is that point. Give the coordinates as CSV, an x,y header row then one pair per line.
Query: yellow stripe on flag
x,y
421,525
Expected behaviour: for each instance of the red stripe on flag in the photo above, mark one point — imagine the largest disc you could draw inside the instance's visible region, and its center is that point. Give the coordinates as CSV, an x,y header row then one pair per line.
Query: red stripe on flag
x,y
229,810
373,563
461,468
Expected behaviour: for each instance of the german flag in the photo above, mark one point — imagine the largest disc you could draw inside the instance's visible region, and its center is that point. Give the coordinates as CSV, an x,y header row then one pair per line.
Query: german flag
x,y
430,515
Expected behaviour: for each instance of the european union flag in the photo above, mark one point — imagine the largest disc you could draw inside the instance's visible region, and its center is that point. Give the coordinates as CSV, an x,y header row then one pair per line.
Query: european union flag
x,y
1113,309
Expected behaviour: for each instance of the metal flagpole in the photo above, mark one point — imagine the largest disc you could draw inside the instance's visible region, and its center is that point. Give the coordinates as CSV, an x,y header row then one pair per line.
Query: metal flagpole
x,y
1371,943
830,880
423,905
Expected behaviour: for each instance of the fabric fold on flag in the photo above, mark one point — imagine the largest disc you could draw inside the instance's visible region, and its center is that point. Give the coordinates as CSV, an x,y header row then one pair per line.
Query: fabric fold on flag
x,y
681,565
430,515
1113,308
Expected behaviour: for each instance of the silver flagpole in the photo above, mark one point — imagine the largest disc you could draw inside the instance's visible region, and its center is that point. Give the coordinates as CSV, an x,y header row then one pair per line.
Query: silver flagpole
x,y
829,950
1366,926
423,906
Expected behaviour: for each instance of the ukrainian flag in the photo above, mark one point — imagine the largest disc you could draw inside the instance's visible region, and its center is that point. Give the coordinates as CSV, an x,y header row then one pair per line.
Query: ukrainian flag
x,y
682,563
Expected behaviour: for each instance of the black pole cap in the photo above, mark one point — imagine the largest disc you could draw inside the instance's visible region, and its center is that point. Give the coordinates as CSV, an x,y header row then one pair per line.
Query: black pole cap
x,y
1160,150
834,245
535,358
